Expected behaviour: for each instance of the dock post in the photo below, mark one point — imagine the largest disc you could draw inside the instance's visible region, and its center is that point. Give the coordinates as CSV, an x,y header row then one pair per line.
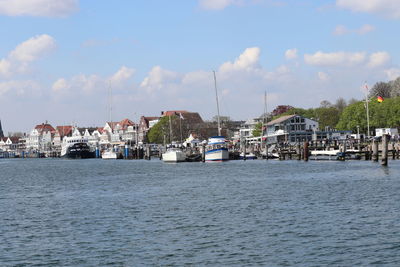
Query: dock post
x,y
375,151
148,152
203,153
244,150
298,151
306,151
385,139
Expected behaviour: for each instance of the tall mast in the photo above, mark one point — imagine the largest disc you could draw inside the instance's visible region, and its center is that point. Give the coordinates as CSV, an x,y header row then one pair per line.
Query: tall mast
x,y
366,105
264,123
110,105
216,97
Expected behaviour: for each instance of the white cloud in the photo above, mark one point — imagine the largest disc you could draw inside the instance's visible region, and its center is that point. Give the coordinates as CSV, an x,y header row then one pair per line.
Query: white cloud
x,y
340,30
5,68
18,87
392,73
60,85
38,8
157,77
323,76
291,54
387,8
248,60
122,75
378,59
216,4
365,29
33,48
335,58
25,53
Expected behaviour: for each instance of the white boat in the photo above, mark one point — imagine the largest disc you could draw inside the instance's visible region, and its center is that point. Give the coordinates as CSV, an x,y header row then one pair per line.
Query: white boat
x,y
249,155
109,154
174,155
216,149
76,147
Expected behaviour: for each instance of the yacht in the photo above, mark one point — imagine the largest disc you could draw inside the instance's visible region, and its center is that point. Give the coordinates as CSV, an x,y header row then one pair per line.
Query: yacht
x,y
76,147
174,154
109,154
216,149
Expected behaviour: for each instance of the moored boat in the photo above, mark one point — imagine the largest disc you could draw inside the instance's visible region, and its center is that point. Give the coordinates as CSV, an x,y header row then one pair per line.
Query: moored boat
x,y
76,147
174,155
216,149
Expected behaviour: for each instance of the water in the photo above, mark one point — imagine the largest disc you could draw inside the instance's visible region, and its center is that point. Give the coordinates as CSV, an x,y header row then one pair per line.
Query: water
x,y
146,213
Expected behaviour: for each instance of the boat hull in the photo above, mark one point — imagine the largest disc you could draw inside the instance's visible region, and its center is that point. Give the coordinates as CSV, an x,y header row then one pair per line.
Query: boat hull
x,y
219,154
79,151
174,156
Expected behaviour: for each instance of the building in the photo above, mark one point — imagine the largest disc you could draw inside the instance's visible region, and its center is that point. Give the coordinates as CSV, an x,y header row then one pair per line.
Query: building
x,y
292,128
145,125
40,138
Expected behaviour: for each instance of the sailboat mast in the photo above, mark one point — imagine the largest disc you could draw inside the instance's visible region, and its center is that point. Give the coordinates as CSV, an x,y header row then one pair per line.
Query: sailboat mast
x,y
264,124
216,97
110,103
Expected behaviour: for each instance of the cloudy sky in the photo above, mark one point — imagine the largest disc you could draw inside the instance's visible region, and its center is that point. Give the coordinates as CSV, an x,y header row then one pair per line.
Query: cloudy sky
x,y
58,58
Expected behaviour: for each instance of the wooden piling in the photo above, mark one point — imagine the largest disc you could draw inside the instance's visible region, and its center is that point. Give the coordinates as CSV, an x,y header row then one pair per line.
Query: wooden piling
x,y
298,151
385,141
203,153
375,151
306,151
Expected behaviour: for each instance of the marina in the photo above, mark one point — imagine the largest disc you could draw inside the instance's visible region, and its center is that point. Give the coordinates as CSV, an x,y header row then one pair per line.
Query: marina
x,y
92,212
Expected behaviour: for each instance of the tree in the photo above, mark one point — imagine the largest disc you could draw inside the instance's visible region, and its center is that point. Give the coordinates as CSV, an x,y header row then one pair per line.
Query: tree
x,y
340,104
161,130
380,89
327,117
352,101
395,87
257,129
325,104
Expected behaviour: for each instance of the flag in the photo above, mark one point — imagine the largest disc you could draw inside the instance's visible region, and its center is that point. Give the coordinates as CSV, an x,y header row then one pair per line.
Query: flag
x,y
380,99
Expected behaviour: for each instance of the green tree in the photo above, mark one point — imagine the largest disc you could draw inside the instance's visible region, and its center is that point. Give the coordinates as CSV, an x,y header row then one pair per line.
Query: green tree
x,y
161,130
327,117
257,129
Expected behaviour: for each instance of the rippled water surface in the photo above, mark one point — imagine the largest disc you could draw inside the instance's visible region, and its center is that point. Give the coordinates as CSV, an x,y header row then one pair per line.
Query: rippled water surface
x,y
253,213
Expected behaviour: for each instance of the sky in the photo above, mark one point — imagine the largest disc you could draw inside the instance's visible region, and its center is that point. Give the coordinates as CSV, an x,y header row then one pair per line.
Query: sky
x,y
60,59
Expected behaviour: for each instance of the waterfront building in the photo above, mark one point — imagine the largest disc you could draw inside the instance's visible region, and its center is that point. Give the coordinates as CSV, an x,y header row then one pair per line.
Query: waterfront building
x,y
41,137
145,125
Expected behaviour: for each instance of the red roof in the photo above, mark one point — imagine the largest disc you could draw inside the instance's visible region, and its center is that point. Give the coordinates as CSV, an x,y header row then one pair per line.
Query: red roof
x,y
174,112
64,130
125,123
45,127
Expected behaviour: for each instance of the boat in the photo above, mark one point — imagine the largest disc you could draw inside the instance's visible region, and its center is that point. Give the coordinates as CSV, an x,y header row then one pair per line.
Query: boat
x,y
216,149
249,155
76,147
109,154
174,154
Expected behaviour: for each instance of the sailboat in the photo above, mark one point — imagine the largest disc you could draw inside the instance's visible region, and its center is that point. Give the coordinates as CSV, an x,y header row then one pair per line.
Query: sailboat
x,y
216,149
109,153
174,153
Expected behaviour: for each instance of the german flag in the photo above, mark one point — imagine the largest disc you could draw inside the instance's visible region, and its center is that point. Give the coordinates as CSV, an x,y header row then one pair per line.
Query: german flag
x,y
380,99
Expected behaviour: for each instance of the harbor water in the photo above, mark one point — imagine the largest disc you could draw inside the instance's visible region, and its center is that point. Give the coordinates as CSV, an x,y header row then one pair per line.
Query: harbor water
x,y
56,212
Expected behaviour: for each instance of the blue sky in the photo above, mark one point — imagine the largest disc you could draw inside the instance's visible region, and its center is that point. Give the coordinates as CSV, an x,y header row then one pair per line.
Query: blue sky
x,y
58,58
